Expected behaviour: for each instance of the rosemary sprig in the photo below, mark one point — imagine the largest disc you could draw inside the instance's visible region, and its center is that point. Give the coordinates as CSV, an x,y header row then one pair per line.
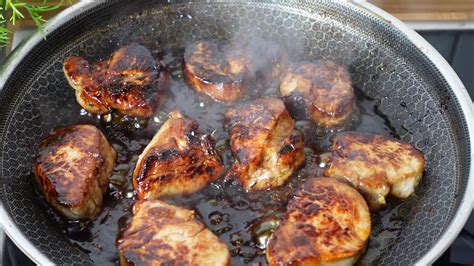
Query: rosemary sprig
x,y
18,9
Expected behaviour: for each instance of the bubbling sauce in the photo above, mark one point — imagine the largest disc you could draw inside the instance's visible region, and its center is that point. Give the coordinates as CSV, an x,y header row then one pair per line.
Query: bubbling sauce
x,y
243,220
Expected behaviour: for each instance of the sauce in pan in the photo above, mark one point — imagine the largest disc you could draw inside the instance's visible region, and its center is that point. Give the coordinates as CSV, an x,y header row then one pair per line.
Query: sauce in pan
x,y
244,221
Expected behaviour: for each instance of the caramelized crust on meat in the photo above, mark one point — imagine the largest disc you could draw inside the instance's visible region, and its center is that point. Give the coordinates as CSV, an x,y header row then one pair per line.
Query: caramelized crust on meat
x,y
130,82
376,165
163,234
321,90
179,160
217,69
327,223
72,170
266,147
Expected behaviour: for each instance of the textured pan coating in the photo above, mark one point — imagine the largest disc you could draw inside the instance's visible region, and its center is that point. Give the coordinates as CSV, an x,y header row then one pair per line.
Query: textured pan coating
x,y
376,165
266,147
222,71
179,160
330,29
321,90
72,170
164,234
131,82
326,223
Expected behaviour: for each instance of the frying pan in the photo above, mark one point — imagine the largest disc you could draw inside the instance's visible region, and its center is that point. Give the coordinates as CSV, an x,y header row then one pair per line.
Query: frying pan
x,y
414,87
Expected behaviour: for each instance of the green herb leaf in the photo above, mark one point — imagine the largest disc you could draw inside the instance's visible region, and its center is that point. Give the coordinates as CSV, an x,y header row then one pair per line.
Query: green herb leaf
x,y
18,9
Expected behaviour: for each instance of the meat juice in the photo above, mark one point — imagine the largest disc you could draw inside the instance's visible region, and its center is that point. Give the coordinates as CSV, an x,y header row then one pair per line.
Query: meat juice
x,y
243,220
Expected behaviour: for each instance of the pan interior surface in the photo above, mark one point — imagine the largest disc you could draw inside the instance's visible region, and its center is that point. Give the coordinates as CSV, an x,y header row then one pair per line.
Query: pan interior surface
x,y
408,90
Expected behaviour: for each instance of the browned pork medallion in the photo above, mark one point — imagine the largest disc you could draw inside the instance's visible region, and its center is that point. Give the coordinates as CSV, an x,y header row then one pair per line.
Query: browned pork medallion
x,y
131,82
320,90
72,170
307,220
220,70
326,223
376,165
164,234
265,144
179,160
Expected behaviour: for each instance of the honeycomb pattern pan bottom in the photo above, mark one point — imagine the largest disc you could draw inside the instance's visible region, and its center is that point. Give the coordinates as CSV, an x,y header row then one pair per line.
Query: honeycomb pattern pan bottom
x,y
422,106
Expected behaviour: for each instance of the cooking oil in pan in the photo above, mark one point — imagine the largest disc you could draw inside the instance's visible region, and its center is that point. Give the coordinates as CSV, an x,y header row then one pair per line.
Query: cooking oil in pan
x,y
244,221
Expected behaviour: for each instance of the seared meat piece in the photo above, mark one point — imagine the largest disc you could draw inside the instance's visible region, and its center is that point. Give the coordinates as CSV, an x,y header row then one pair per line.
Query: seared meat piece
x,y
321,90
131,82
217,69
72,170
179,160
327,223
376,165
163,234
266,147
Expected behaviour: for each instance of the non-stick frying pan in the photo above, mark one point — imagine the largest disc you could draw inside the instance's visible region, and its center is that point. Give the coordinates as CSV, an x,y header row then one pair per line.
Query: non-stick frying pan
x,y
413,86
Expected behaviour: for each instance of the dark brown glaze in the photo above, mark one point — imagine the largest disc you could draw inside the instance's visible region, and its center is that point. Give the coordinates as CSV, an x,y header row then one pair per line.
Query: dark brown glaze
x,y
135,65
321,90
179,160
242,220
72,170
376,165
264,143
131,82
164,234
326,222
220,70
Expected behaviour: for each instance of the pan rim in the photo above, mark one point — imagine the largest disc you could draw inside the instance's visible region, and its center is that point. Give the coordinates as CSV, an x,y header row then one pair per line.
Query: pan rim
x,y
7,69
467,203
459,218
